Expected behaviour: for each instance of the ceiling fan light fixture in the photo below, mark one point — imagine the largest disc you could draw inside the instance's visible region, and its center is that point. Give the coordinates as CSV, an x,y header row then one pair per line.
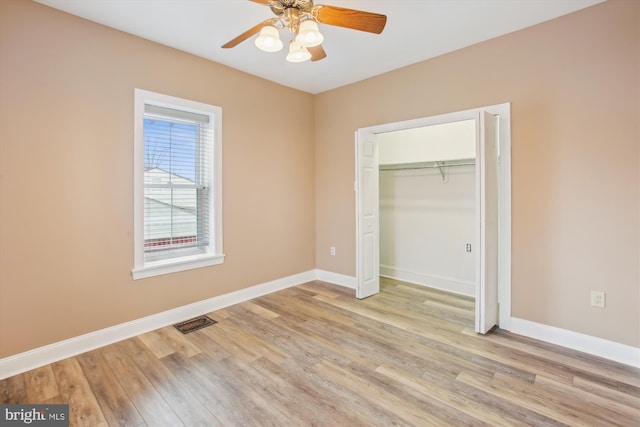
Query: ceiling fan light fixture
x,y
297,53
308,34
269,39
301,18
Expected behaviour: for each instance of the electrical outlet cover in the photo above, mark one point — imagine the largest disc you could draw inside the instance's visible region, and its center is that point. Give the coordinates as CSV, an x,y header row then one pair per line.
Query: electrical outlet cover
x,y
597,299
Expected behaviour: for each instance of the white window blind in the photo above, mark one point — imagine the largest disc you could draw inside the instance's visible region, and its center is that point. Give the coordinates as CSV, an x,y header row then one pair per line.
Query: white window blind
x,y
176,182
180,220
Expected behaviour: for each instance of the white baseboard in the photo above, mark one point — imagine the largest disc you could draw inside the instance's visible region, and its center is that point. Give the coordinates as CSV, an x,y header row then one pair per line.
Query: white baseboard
x,y
41,356
611,350
449,284
336,278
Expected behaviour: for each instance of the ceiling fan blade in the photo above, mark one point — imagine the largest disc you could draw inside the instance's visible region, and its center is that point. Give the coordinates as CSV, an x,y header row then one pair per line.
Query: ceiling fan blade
x,y
350,18
317,53
242,37
265,2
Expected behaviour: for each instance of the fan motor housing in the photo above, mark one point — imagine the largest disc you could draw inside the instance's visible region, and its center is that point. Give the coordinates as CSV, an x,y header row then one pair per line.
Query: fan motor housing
x,y
279,6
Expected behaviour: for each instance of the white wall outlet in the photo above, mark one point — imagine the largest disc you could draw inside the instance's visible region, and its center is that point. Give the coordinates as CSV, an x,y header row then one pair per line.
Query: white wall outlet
x,y
597,299
333,251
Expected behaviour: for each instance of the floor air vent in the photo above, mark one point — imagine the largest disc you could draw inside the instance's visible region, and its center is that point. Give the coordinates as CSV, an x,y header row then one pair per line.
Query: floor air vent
x,y
194,324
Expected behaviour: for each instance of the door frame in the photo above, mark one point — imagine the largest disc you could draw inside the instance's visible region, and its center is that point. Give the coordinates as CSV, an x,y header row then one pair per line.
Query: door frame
x,y
503,111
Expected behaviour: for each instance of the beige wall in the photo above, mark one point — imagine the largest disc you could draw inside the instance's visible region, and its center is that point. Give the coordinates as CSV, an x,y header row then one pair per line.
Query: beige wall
x,y
66,164
574,87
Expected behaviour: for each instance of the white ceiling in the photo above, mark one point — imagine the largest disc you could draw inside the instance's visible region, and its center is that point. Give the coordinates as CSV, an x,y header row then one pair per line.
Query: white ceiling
x,y
416,30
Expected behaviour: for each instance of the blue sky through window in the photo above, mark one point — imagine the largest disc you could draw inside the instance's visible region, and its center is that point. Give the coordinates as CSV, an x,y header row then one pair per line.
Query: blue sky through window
x,y
171,146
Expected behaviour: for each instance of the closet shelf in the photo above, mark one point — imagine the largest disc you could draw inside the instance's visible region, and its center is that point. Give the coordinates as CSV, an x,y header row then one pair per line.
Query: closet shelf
x,y
441,165
429,165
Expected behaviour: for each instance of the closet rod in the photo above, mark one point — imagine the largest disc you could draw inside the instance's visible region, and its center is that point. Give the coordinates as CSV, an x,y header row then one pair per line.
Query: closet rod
x,y
382,168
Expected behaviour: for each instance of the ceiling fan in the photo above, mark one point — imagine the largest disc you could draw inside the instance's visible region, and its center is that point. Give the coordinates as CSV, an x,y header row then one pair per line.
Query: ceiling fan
x,y
301,18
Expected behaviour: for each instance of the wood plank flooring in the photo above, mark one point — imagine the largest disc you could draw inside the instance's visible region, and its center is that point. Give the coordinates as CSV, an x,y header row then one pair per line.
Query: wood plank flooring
x,y
313,355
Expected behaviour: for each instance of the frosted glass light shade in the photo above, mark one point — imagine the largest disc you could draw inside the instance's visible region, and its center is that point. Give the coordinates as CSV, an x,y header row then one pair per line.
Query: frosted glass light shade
x,y
297,53
269,39
308,34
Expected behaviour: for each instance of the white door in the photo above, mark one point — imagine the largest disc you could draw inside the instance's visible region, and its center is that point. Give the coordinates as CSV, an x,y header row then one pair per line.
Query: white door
x,y
367,215
487,223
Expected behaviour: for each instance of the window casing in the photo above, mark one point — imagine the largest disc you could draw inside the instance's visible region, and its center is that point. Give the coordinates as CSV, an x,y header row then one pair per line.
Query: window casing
x,y
177,185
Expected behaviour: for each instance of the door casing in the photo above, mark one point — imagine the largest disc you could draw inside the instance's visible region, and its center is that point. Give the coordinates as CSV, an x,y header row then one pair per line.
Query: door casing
x,y
503,111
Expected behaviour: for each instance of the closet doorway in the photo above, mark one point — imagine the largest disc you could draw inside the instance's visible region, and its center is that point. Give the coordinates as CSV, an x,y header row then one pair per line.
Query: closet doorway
x,y
428,206
486,272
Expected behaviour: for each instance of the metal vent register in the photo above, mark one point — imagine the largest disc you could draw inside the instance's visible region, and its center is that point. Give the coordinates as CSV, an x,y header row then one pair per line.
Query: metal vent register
x,y
194,324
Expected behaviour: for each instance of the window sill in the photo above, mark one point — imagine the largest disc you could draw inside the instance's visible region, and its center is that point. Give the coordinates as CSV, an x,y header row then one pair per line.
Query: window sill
x,y
158,268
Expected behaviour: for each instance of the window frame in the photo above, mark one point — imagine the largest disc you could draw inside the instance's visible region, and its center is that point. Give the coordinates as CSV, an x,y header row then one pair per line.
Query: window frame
x,y
213,253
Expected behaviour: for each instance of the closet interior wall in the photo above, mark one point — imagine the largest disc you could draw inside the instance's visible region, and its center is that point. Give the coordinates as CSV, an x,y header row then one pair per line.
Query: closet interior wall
x,y
426,225
427,207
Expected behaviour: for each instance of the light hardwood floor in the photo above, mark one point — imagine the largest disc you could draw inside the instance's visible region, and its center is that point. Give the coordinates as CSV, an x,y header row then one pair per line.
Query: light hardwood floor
x,y
315,355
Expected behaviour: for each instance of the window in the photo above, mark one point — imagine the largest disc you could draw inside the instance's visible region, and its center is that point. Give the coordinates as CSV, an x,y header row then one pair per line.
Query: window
x,y
177,185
